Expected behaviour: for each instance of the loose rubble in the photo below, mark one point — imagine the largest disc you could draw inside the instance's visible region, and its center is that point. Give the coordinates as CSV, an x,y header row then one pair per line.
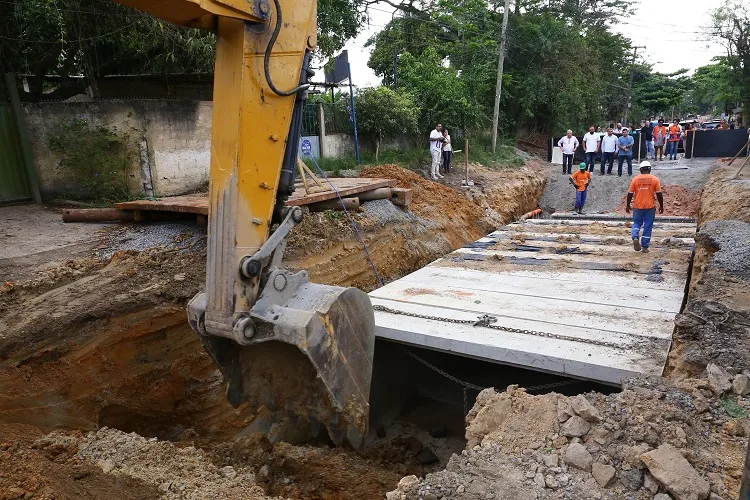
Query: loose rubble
x,y
647,440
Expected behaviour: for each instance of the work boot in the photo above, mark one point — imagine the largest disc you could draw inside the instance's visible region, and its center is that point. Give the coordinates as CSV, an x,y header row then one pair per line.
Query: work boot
x,y
645,250
636,245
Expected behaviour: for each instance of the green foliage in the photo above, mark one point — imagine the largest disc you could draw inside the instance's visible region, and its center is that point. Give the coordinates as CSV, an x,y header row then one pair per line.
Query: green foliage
x,y
731,23
384,113
338,21
715,86
94,159
733,409
657,92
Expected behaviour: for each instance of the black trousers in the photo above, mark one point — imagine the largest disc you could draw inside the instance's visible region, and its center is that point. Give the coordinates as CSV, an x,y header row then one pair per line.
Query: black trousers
x,y
567,159
447,160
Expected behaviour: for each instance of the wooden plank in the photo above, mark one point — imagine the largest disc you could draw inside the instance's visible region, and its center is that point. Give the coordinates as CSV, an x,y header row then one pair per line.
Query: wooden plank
x,y
477,282
345,187
611,231
583,238
193,204
594,248
626,320
198,204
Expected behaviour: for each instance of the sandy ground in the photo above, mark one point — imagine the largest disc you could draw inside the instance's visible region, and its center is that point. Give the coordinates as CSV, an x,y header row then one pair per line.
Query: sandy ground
x,y
34,237
101,341
606,193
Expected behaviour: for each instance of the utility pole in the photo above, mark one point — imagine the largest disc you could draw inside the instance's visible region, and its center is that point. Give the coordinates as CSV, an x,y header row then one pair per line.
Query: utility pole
x,y
500,62
630,84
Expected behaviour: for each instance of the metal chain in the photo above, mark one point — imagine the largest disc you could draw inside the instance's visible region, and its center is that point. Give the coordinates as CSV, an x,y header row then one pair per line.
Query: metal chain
x,y
467,385
488,321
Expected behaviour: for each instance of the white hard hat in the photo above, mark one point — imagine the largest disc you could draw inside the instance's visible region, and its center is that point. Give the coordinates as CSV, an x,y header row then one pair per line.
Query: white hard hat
x,y
644,164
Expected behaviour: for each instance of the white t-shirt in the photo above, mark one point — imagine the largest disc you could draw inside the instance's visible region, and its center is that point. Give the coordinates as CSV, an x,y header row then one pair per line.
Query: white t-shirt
x,y
590,141
609,143
568,145
436,142
447,145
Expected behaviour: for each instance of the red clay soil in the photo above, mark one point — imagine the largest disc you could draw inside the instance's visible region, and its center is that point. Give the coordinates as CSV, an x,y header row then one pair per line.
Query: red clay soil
x,y
677,201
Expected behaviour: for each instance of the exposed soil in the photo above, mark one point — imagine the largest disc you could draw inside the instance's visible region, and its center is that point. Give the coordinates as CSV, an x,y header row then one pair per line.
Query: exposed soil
x,y
98,343
677,201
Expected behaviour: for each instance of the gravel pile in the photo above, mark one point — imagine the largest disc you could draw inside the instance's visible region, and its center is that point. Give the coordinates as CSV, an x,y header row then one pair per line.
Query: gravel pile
x,y
383,212
648,440
139,237
732,237
179,473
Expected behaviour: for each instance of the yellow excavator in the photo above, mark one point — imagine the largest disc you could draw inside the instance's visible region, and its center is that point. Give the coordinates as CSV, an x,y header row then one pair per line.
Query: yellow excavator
x,y
284,345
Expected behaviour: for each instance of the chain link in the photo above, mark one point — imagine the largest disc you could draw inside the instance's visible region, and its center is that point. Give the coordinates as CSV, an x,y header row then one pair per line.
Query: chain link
x,y
487,321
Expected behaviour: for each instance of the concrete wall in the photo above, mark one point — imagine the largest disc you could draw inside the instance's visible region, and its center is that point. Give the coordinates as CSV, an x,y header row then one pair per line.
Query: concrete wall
x,y
342,145
170,141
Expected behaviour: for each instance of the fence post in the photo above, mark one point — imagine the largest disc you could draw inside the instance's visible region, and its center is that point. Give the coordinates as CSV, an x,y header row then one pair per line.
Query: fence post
x,y
321,128
23,137
466,166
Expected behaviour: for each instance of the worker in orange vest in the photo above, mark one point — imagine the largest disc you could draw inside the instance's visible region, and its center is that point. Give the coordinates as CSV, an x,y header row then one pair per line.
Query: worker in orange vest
x,y
660,138
675,131
644,190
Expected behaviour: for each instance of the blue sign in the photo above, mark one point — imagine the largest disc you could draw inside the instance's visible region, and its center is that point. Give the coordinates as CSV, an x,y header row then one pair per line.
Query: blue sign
x,y
306,148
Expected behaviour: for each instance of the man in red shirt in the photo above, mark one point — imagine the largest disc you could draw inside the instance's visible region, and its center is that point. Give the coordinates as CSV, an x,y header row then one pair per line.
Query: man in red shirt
x,y
644,189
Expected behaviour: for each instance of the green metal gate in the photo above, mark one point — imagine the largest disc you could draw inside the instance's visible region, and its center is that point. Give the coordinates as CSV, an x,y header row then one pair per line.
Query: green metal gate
x,y
14,184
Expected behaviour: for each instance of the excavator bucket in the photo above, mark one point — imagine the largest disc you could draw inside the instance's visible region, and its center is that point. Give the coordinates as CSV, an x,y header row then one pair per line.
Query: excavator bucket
x,y
310,356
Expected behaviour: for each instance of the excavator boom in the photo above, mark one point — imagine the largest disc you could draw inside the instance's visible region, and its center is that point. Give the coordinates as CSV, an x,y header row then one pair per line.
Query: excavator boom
x,y
283,344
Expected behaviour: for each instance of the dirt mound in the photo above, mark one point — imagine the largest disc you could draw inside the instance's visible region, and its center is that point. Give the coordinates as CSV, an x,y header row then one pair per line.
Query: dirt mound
x,y
677,201
589,446
430,199
34,467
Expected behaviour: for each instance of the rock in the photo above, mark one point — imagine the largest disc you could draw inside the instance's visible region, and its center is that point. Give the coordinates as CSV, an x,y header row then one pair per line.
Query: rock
x,y
461,488
539,480
559,441
631,479
741,384
680,433
575,426
585,409
551,482
662,496
264,471
413,444
564,411
551,460
408,483
563,479
578,456
602,436
672,470
228,472
348,173
718,378
107,466
427,457
604,474
714,496
650,483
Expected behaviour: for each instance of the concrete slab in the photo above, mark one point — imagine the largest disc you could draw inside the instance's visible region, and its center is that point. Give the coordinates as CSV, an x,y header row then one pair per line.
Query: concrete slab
x,y
601,314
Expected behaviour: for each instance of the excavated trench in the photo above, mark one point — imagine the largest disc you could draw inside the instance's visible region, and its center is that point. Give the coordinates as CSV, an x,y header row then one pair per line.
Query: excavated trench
x,y
108,346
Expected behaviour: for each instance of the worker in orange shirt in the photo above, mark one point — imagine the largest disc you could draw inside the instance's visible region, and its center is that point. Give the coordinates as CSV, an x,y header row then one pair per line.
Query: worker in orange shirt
x,y
675,131
644,189
581,180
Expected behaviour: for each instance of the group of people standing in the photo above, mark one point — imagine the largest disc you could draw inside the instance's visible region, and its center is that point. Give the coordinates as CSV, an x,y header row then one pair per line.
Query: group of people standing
x,y
441,149
618,143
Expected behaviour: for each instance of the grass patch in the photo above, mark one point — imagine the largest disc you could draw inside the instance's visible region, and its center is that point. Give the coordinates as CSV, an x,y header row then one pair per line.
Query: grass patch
x,y
419,158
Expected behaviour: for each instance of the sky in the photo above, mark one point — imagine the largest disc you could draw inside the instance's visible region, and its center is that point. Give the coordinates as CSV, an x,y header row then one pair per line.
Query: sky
x,y
672,34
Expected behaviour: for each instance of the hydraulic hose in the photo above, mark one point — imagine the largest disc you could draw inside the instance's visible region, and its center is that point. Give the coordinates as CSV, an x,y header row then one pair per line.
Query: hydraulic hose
x,y
267,58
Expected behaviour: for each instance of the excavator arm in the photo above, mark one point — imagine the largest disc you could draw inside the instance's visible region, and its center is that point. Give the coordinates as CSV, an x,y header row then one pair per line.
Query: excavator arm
x,y
284,345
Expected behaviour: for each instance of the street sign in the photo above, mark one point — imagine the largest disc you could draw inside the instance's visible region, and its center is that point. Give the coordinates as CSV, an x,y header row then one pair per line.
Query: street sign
x,y
338,70
306,147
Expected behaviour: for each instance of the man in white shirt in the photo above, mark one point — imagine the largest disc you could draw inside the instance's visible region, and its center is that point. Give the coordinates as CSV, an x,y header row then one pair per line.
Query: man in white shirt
x,y
568,146
609,146
591,147
618,128
436,151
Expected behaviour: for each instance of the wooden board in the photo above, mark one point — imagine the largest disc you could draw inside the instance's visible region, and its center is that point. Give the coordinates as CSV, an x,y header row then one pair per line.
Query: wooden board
x,y
604,315
198,203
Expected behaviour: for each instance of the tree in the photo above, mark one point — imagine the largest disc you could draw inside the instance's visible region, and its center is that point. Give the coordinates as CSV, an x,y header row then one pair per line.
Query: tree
x,y
715,86
731,23
384,113
657,93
